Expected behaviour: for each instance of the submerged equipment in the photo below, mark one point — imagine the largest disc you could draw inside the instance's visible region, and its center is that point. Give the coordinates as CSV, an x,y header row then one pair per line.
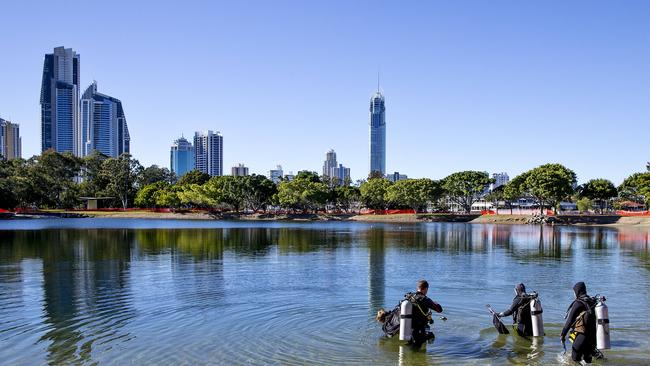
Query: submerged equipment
x,y
405,321
602,324
536,315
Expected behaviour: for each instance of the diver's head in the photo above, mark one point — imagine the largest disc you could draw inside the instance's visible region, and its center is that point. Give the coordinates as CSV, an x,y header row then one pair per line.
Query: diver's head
x,y
381,315
423,287
520,289
579,289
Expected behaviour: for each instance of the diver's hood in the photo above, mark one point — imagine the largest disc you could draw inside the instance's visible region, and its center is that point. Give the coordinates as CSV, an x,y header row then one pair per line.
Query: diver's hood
x,y
580,290
520,289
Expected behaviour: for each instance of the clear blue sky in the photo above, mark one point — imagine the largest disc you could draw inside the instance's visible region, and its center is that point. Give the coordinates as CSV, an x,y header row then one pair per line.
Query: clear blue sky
x,y
484,85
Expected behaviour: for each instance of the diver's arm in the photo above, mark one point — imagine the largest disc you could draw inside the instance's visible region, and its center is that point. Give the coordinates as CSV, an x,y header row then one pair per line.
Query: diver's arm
x,y
433,305
571,318
513,307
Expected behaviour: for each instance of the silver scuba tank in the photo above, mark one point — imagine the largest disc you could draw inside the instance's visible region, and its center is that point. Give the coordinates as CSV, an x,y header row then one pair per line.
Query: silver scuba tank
x,y
405,321
602,324
536,316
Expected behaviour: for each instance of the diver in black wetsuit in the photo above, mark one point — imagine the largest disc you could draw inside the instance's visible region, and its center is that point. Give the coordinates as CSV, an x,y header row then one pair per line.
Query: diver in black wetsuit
x,y
520,311
422,306
581,318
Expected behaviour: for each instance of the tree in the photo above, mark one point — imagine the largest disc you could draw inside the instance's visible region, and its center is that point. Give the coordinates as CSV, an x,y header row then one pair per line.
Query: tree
x,y
495,196
93,183
168,197
550,184
8,198
51,179
414,193
464,188
306,192
636,188
346,196
258,191
375,174
373,193
584,205
146,196
122,175
194,177
154,173
599,190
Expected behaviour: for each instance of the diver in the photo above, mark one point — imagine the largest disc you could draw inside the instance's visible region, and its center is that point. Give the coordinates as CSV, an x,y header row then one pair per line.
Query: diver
x,y
581,319
421,318
520,311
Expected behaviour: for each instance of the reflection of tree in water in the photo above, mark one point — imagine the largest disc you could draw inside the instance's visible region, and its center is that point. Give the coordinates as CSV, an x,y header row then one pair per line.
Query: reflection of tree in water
x,y
635,242
84,283
376,267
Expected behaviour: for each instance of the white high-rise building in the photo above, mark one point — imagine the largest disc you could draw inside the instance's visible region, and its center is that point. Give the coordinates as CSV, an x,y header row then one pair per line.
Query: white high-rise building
x,y
329,164
275,175
103,124
500,179
240,170
10,142
208,152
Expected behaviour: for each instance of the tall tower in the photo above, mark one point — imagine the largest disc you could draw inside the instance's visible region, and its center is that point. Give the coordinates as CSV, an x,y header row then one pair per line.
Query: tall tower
x,y
10,143
103,124
208,152
378,133
181,157
329,164
60,123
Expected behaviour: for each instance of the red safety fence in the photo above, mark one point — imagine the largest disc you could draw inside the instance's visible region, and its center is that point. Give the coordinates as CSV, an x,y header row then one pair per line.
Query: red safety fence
x,y
386,212
633,213
488,212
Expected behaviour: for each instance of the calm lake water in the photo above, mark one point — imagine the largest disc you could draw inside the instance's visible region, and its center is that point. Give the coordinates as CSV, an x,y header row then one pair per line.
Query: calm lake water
x,y
110,291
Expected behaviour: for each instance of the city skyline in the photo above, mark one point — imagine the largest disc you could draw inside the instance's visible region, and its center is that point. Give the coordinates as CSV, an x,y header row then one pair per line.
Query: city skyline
x,y
503,92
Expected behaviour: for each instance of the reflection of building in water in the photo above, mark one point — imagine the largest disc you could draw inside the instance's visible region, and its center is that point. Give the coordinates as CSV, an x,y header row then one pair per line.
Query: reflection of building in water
x,y
376,268
85,291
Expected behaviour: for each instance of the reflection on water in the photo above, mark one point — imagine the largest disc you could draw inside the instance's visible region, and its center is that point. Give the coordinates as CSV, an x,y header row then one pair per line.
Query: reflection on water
x,y
304,294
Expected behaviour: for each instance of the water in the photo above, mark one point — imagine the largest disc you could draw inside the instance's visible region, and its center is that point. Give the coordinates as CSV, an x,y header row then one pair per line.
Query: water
x,y
112,291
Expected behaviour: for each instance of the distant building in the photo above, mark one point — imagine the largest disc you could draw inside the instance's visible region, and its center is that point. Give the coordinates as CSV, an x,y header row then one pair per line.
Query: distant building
x,y
10,142
289,177
208,152
239,171
396,177
275,175
500,179
60,124
329,164
341,173
181,159
377,133
103,125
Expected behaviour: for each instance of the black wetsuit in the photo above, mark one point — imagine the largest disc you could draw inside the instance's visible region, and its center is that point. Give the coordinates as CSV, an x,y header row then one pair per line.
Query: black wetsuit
x,y
420,320
585,343
522,317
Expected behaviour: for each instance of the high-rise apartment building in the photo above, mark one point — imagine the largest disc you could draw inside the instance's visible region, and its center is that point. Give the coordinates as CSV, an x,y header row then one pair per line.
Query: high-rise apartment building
x,y
10,143
103,124
341,174
208,152
275,175
396,177
500,179
329,164
60,123
239,171
377,133
181,158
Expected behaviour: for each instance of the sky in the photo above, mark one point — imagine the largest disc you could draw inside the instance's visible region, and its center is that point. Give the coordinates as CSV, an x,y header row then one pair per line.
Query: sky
x,y
496,86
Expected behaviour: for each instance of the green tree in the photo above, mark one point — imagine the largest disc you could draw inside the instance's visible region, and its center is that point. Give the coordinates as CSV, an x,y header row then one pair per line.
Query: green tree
x,y
373,193
153,174
584,204
8,194
550,184
194,177
414,193
122,174
598,190
636,188
304,193
346,197
465,188
515,189
495,196
258,191
168,197
52,179
93,184
146,196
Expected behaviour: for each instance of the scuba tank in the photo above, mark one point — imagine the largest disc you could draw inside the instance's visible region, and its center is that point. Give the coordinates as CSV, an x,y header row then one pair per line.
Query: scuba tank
x,y
536,315
405,319
602,324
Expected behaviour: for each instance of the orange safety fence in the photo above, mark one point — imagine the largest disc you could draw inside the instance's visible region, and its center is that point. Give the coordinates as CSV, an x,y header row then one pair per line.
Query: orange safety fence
x,y
386,212
633,213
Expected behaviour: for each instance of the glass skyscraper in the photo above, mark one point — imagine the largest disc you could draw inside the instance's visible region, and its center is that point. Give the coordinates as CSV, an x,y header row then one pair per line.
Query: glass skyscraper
x,y
59,101
208,152
103,124
378,133
181,159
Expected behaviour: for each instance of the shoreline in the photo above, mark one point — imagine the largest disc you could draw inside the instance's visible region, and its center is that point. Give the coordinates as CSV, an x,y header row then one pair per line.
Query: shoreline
x,y
501,219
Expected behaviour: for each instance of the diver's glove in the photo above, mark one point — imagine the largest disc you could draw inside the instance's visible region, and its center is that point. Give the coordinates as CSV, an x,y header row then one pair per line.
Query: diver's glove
x,y
563,338
500,315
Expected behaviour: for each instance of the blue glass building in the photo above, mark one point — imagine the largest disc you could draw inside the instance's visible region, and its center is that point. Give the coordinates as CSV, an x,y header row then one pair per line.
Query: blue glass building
x,y
59,101
103,124
378,133
181,159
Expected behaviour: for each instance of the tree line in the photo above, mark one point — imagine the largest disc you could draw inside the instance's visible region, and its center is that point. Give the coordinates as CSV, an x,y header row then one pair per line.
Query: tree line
x,y
61,180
